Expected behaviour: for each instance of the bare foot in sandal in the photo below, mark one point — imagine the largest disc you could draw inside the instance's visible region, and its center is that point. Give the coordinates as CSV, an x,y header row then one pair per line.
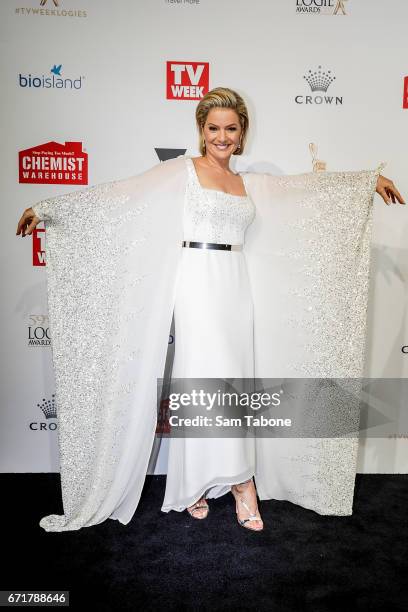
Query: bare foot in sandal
x,y
246,505
199,510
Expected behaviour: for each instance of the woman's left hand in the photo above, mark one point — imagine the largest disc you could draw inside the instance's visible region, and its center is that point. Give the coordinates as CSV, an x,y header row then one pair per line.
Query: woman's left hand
x,y
387,190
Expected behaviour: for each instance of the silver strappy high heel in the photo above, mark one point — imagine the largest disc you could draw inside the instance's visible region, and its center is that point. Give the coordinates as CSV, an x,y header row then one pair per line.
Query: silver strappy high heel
x,y
240,498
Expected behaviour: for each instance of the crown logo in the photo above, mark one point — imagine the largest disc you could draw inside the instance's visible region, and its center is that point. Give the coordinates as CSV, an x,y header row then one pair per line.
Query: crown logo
x,y
48,407
319,80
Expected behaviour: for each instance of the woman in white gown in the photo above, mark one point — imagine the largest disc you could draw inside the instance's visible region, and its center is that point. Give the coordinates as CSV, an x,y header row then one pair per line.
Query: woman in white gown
x,y
113,294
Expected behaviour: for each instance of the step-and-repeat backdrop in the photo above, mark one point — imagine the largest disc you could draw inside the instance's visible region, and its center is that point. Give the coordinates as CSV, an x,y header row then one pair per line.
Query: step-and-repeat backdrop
x,y
94,91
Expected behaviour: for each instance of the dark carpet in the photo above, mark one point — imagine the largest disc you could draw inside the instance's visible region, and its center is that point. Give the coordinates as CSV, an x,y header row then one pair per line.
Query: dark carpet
x,y
300,561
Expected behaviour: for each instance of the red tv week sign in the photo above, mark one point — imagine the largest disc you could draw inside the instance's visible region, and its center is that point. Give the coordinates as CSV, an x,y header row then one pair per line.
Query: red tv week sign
x,y
187,80
54,163
38,247
405,93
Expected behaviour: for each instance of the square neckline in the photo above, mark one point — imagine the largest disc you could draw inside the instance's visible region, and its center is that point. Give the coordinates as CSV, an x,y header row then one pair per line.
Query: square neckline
x,y
233,195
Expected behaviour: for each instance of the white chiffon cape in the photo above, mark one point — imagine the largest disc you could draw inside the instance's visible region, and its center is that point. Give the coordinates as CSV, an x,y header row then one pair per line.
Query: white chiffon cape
x,y
112,256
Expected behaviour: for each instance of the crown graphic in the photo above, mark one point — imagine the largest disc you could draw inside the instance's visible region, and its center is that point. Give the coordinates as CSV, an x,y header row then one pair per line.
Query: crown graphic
x,y
319,80
48,407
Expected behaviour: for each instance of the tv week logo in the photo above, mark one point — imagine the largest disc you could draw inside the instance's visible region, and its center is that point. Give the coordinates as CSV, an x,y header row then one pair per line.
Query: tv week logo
x,y
405,93
39,247
187,80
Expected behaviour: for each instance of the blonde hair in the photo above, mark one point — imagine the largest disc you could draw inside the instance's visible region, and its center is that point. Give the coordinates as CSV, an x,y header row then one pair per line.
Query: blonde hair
x,y
222,97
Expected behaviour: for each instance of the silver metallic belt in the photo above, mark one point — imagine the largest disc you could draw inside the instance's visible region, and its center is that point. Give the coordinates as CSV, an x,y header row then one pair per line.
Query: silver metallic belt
x,y
212,245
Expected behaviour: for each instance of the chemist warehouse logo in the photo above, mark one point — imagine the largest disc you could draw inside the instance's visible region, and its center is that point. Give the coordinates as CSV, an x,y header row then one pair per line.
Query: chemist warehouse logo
x,y
319,81
321,7
187,80
53,163
57,80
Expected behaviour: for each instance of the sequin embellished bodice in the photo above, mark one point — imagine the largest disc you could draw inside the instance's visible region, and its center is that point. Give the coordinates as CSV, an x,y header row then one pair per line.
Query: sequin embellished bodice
x,y
211,215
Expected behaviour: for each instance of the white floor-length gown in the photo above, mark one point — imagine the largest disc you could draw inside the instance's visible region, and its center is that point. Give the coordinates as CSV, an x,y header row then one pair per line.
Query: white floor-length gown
x,y
111,300
213,317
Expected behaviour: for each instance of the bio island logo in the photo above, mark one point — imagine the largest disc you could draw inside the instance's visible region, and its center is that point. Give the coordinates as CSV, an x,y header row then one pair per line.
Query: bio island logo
x,y
56,81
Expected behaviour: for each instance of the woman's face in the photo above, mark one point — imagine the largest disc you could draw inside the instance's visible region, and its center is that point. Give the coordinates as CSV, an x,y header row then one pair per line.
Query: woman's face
x,y
222,127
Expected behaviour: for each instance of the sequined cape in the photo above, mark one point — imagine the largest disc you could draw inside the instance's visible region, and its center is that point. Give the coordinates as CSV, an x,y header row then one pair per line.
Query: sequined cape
x,y
112,255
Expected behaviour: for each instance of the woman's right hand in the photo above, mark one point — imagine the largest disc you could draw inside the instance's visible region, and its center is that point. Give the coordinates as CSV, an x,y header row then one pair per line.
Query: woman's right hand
x,y
27,223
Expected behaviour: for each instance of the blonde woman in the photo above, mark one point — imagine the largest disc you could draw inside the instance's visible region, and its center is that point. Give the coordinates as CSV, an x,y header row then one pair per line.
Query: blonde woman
x,y
193,238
